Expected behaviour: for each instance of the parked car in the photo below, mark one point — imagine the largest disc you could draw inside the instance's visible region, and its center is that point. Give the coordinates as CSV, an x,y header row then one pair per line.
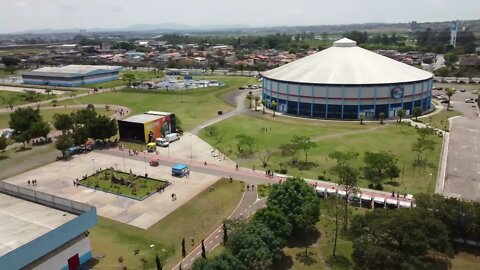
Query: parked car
x,y
475,92
469,100
444,101
463,90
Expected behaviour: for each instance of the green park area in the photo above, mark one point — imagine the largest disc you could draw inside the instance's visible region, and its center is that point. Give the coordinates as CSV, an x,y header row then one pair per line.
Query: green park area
x,y
124,184
244,139
197,218
8,98
191,107
47,114
133,75
440,119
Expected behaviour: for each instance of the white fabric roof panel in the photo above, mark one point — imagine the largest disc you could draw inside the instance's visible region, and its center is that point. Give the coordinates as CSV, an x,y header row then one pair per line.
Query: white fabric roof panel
x,y
379,199
347,64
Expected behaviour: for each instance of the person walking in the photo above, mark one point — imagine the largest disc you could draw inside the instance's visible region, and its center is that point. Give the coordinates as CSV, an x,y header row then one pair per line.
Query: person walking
x,y
28,182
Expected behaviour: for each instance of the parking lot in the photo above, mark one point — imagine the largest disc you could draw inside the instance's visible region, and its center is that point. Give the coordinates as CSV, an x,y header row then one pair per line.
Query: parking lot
x,y
462,177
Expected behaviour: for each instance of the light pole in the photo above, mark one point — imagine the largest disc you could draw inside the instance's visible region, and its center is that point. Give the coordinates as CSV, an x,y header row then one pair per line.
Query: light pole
x,y
93,162
191,156
116,166
123,154
145,159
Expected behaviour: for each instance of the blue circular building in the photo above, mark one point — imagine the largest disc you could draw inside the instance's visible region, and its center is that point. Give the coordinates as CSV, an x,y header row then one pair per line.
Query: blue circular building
x,y
347,82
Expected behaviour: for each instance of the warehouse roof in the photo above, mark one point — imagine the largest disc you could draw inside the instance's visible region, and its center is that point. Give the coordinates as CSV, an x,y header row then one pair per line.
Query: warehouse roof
x,y
142,118
22,221
345,63
72,70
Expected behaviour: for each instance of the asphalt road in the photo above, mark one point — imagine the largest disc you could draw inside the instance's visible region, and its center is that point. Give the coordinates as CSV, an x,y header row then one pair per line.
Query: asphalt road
x,y
462,177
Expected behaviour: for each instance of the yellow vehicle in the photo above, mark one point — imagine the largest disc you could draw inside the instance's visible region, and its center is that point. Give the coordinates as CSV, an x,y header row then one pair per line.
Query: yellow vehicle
x,y
151,147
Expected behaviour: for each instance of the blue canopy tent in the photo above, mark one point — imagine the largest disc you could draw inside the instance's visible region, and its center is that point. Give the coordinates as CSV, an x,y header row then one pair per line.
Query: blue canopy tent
x,y
179,170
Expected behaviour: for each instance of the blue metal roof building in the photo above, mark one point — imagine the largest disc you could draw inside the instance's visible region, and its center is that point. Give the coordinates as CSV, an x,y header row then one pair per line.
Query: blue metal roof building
x,y
72,75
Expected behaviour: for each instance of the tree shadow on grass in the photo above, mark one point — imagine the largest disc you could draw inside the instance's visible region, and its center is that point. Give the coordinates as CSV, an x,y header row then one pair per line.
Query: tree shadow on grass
x,y
285,263
300,165
339,262
23,149
3,157
306,257
301,240
393,183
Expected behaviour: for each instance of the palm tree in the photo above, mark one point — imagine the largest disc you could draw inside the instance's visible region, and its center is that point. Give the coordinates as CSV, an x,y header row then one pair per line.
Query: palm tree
x,y
264,103
249,98
449,92
382,117
401,114
256,98
273,106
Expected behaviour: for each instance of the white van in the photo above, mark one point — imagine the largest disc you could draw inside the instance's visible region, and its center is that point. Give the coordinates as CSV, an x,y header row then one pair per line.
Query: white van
x,y
172,137
162,142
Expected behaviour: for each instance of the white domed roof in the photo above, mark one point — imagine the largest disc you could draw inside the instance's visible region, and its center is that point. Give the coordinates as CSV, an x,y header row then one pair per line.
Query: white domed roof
x,y
345,63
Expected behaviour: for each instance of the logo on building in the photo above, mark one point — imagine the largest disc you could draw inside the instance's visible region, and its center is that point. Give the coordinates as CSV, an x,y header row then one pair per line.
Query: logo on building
x,y
397,92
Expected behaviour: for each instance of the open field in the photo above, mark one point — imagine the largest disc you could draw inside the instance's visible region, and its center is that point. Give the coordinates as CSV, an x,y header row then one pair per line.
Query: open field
x,y
139,76
191,107
19,98
47,115
329,136
122,183
30,159
198,218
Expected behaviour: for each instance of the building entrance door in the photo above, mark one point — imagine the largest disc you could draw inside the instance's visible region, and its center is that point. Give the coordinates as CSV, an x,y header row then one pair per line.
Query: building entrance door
x,y
74,262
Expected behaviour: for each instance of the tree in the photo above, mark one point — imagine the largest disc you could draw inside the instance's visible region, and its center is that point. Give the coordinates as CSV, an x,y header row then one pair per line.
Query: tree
x,y
245,144
129,78
84,116
289,150
204,253
158,263
263,102
63,122
379,166
256,99
224,261
184,251
400,239
401,114
451,58
273,218
343,158
255,246
64,142
102,128
298,202
449,92
382,117
225,233
264,156
21,120
333,211
3,143
80,134
273,106
417,111
212,131
348,179
304,143
441,72
213,67
10,61
39,129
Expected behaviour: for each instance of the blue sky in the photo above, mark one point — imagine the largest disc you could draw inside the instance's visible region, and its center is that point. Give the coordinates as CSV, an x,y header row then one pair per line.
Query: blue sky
x,y
20,15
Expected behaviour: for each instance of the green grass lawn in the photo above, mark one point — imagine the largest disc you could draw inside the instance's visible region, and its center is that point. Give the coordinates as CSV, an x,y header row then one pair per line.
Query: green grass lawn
x,y
329,136
440,120
123,184
200,216
263,190
48,114
29,159
106,85
22,51
191,107
18,98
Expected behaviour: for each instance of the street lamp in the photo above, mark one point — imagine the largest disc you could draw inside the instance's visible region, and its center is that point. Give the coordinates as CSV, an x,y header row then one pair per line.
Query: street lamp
x,y
145,159
93,162
191,156
123,154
